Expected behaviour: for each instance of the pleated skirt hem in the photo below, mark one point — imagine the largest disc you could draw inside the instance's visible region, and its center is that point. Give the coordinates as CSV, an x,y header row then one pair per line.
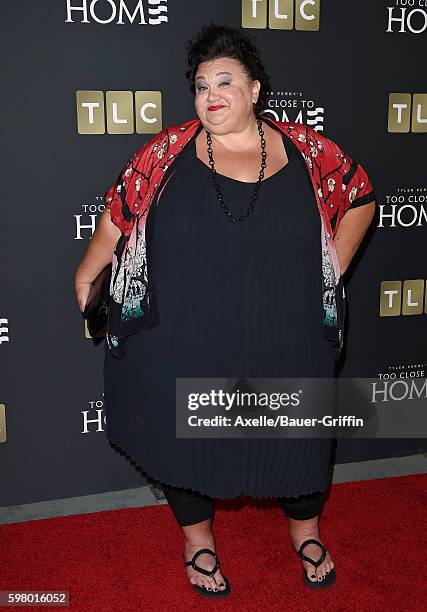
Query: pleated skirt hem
x,y
220,489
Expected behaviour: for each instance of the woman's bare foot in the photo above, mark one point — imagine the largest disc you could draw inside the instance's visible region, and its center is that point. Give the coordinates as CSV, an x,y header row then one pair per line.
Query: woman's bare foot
x,y
301,530
197,536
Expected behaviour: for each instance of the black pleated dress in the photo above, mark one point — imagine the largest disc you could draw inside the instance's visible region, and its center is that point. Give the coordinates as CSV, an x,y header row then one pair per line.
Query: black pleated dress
x,y
234,300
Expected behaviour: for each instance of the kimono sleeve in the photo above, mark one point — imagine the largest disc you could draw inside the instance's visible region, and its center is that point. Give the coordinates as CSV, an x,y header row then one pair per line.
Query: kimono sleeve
x,y
115,197
111,195
128,191
358,189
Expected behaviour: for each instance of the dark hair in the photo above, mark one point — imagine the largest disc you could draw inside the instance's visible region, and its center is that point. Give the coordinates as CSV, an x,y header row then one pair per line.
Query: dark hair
x,y
214,41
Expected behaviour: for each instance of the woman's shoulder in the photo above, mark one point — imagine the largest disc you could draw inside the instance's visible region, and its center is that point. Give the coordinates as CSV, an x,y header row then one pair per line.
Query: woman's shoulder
x,y
313,143
170,138
299,131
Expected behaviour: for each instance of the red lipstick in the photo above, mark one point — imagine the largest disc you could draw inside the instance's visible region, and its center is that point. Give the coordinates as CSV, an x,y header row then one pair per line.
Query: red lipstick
x,y
214,108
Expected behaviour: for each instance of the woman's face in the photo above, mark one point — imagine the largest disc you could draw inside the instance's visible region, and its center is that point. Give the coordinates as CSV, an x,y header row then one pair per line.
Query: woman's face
x,y
222,83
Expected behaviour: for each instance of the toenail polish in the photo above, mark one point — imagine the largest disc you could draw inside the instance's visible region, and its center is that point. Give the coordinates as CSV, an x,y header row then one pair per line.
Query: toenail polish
x,y
221,584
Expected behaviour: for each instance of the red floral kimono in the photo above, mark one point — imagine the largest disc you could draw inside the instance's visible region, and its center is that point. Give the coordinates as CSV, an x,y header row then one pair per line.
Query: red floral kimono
x,y
338,183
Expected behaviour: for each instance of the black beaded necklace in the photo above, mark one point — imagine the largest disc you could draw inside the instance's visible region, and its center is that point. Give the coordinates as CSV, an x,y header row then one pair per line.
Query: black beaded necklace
x,y
223,205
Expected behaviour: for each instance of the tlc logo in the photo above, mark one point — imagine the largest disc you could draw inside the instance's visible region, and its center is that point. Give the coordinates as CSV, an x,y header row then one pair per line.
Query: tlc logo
x,y
407,299
3,436
120,112
407,113
282,14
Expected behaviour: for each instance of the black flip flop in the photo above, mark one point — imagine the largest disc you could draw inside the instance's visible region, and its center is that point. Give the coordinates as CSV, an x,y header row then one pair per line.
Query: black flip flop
x,y
329,579
202,590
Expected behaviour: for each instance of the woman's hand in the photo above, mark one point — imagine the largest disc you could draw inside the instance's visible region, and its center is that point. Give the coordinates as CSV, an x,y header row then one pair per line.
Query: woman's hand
x,y
98,254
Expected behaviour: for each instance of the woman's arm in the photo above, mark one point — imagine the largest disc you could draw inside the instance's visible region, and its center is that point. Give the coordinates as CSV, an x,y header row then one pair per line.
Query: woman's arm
x,y
98,254
352,228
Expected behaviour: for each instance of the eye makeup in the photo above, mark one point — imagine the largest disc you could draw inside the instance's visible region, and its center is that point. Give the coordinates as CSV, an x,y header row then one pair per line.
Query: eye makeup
x,y
222,83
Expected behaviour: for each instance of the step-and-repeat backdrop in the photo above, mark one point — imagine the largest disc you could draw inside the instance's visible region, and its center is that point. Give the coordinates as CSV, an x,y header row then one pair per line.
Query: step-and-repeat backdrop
x,y
86,83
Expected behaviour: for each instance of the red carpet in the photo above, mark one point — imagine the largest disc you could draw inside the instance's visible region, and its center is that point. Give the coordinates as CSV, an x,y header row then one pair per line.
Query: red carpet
x,y
129,560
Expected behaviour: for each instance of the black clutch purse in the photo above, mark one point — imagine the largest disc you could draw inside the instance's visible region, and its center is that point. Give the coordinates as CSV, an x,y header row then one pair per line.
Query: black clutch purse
x,y
97,305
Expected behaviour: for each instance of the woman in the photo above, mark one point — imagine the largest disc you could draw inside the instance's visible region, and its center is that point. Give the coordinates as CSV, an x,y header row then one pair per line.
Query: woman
x,y
213,228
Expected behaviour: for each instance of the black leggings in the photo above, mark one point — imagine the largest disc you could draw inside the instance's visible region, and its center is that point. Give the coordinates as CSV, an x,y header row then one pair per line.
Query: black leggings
x,y
190,507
